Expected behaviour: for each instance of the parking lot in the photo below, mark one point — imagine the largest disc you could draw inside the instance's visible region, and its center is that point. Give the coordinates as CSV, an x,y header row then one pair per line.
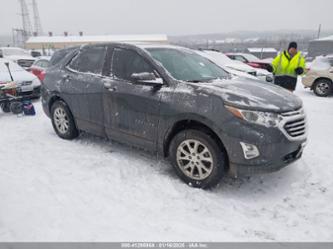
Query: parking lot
x,y
91,189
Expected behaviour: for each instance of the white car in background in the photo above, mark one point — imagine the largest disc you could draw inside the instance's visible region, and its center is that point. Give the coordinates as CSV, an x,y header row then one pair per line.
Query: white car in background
x,y
319,76
18,55
29,85
225,62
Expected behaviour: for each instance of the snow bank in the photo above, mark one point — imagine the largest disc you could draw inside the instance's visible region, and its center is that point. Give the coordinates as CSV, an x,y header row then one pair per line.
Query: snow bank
x,y
91,189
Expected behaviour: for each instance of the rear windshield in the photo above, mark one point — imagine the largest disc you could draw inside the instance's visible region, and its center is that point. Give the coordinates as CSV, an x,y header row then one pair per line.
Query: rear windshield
x,y
251,57
186,65
12,66
322,63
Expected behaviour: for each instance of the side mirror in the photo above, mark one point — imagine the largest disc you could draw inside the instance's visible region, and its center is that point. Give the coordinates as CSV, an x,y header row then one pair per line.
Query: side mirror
x,y
1,55
146,79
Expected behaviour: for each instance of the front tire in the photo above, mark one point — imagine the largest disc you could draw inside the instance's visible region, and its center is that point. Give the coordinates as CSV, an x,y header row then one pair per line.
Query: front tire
x,y
322,87
5,107
197,158
63,121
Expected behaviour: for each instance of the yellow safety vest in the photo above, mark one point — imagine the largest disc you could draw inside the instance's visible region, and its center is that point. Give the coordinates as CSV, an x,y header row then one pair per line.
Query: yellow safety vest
x,y
283,65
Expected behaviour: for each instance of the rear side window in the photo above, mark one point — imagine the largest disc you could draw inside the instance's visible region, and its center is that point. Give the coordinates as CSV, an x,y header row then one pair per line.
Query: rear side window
x,y
89,60
126,62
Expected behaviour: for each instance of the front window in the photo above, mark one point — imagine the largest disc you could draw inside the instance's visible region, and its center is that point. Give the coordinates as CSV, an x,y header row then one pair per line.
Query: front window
x,y
186,65
127,62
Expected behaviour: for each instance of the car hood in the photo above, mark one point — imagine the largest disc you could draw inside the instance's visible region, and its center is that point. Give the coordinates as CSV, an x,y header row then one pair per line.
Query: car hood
x,y
252,95
18,76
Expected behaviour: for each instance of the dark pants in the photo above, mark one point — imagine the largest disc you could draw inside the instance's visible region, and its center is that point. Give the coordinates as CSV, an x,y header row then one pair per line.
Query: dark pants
x,y
287,82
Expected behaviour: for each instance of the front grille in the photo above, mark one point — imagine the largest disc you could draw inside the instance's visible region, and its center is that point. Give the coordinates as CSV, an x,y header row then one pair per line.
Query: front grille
x,y
294,124
296,128
26,83
25,63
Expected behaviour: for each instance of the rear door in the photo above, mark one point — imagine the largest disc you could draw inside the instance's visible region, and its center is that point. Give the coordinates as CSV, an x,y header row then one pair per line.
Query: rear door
x,y
84,81
132,111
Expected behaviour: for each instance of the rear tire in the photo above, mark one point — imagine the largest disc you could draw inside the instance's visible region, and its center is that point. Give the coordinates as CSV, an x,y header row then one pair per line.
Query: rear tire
x,y
197,158
322,87
63,121
16,107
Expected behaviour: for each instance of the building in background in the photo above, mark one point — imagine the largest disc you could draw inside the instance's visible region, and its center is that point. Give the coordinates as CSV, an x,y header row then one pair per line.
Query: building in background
x,y
321,46
59,42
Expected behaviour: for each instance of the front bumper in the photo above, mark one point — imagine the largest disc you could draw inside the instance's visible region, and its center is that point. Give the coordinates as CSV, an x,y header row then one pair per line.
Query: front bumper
x,y
277,147
35,93
291,154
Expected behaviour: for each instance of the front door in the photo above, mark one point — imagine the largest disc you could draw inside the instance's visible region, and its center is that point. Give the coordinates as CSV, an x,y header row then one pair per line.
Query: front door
x,y
131,110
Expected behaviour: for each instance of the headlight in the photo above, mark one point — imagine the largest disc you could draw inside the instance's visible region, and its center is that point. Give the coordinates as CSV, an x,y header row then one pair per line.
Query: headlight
x,y
36,82
267,119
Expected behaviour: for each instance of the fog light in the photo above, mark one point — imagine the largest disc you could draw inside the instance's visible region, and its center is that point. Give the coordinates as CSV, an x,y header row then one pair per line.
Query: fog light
x,y
250,151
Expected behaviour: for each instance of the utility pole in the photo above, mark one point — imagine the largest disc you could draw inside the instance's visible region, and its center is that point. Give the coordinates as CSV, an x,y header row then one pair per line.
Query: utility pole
x,y
26,24
37,23
319,31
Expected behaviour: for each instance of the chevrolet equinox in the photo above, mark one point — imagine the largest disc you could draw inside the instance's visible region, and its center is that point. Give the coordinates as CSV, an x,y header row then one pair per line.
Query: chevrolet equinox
x,y
171,101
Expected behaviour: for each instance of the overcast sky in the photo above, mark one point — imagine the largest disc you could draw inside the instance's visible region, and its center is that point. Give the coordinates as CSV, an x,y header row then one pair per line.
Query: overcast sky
x,y
172,17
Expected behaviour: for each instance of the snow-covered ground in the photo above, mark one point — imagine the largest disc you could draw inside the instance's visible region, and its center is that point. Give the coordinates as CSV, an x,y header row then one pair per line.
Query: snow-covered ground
x,y
94,190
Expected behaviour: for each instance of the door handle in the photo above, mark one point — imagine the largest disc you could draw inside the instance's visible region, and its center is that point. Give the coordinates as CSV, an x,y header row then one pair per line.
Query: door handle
x,y
66,77
109,86
112,89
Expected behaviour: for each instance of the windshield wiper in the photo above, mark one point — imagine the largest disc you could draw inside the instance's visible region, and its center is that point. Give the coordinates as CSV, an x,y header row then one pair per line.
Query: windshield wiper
x,y
201,80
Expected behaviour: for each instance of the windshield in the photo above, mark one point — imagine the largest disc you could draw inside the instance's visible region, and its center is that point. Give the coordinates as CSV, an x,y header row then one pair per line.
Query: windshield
x,y
14,51
186,65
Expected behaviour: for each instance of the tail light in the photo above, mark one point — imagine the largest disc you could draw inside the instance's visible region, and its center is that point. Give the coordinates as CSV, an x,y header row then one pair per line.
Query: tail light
x,y
42,76
255,65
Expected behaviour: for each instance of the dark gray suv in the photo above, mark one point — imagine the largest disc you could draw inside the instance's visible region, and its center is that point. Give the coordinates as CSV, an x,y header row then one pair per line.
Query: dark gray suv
x,y
172,101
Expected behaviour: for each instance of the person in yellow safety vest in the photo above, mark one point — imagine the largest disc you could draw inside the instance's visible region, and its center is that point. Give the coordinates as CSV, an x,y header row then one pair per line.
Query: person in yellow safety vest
x,y
287,66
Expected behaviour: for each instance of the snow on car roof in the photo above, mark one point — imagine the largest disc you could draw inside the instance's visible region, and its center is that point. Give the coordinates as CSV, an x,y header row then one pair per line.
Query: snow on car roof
x,y
12,48
153,45
259,50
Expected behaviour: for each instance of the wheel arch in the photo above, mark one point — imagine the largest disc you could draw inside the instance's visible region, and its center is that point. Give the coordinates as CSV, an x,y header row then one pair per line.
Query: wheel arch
x,y
195,124
56,98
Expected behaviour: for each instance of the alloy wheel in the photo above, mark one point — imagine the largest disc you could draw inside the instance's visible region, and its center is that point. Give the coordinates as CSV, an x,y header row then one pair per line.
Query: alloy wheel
x,y
322,88
194,159
61,120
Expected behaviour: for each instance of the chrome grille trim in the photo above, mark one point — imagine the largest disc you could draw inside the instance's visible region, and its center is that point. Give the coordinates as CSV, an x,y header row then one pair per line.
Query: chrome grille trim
x,y
293,125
